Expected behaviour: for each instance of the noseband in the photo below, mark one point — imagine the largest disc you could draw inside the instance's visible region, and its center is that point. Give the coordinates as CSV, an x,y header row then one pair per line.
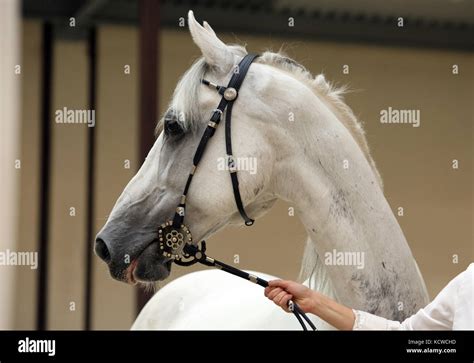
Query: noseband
x,y
175,239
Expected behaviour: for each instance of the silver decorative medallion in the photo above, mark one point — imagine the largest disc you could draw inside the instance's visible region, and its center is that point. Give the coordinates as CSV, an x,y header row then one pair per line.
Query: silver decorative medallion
x,y
172,241
230,94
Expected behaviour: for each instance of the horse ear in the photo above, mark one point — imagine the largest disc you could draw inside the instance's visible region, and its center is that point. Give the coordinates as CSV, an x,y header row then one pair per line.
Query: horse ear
x,y
215,52
208,28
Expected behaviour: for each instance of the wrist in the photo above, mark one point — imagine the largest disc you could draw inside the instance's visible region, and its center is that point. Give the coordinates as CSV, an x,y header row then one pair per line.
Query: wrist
x,y
316,302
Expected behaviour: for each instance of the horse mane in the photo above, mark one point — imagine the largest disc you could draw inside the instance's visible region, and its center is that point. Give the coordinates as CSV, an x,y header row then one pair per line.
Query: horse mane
x,y
331,95
313,270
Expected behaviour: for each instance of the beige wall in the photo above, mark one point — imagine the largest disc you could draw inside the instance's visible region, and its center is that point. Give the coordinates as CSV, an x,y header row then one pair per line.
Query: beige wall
x,y
9,151
66,267
25,293
117,141
415,163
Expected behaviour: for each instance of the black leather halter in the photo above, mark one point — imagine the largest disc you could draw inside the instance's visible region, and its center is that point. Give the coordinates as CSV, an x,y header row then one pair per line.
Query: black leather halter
x,y
175,239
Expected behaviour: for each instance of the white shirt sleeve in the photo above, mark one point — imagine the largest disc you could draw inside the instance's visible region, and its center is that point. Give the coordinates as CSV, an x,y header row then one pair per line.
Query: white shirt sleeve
x,y
440,314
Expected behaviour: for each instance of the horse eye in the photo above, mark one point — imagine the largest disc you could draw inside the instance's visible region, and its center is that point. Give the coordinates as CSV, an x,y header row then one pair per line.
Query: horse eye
x,y
173,128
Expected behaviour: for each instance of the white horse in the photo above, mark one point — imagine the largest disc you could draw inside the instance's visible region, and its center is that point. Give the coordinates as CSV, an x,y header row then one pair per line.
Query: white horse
x,y
311,151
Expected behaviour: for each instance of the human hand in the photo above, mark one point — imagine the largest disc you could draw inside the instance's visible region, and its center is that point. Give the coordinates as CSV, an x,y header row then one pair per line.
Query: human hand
x,y
282,291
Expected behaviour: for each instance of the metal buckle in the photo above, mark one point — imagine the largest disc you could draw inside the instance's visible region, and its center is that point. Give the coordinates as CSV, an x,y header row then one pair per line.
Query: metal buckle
x,y
231,164
253,278
216,115
180,211
215,85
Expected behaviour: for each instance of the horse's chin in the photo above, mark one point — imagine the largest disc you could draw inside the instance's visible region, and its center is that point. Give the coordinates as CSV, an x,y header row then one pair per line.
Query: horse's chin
x,y
150,266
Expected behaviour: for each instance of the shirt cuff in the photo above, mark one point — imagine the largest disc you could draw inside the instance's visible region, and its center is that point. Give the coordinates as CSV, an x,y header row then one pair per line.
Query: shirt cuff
x,y
367,321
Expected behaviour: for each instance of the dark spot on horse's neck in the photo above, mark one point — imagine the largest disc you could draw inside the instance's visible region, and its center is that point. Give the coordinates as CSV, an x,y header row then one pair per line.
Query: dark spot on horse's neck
x,y
340,207
383,264
257,189
322,167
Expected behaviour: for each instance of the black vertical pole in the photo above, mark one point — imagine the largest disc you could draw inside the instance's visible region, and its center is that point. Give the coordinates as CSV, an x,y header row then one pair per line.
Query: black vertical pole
x,y
45,158
149,16
90,227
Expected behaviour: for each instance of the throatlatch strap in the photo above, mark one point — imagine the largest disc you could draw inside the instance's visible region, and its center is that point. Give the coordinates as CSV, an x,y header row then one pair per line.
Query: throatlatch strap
x,y
243,68
233,167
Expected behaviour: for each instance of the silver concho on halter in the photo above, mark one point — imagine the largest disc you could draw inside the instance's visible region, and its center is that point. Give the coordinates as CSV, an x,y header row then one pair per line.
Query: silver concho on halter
x,y
230,94
173,240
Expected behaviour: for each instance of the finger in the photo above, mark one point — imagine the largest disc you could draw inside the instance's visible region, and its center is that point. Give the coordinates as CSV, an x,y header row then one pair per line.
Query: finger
x,y
280,297
284,301
280,283
268,290
274,293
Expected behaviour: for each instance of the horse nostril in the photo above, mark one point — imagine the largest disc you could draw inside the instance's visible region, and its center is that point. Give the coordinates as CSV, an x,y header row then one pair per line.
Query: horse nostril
x,y
101,250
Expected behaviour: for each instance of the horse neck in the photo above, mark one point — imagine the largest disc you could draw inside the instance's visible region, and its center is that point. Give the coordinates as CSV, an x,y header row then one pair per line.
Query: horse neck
x,y
342,206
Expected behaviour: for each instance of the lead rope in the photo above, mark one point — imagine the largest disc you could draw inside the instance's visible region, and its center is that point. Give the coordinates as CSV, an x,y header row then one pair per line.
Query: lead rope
x,y
199,255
